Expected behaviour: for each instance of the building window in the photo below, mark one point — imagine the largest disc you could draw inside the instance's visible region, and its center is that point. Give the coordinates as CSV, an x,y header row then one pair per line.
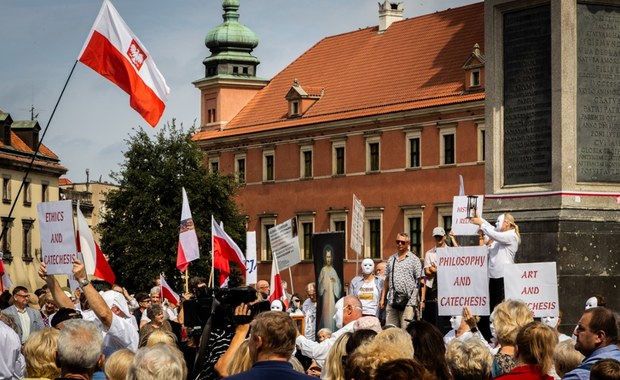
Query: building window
x,y
306,162
340,225
27,239
447,143
373,154
338,158
338,222
27,193
413,149
447,222
6,189
44,192
268,169
373,234
308,229
265,244
475,78
481,142
415,235
214,165
6,240
294,108
240,168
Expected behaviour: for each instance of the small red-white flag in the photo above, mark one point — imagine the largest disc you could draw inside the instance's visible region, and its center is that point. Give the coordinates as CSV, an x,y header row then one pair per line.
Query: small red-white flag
x,y
277,292
5,280
94,260
224,250
187,250
167,292
113,51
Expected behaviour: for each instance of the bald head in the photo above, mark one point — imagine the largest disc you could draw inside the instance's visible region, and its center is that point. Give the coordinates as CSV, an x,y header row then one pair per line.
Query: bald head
x,y
352,309
263,288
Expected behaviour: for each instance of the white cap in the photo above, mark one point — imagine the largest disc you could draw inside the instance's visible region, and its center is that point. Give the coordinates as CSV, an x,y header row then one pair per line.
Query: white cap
x,y
114,298
439,231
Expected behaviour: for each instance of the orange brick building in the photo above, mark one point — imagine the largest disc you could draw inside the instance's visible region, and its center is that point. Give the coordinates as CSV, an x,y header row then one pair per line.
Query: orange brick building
x,y
392,113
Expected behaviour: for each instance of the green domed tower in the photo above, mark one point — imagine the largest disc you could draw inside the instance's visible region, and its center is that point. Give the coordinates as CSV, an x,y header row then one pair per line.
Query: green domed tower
x,y
231,44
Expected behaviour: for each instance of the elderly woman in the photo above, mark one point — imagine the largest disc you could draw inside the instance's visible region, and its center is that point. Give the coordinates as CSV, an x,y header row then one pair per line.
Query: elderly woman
x,y
509,317
156,314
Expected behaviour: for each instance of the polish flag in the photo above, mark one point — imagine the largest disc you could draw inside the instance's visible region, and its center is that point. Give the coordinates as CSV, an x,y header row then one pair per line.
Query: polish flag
x,y
113,51
5,280
277,293
187,250
167,292
224,250
94,260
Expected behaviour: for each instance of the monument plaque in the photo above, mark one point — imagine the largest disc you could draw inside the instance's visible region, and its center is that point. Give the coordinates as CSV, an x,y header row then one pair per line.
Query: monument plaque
x,y
527,96
598,93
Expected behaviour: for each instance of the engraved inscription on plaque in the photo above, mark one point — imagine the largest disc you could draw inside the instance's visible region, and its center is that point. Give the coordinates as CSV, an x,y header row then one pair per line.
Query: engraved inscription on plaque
x,y
598,93
527,96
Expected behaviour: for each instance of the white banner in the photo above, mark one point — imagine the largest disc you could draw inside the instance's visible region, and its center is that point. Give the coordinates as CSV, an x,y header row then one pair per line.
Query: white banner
x,y
357,225
285,244
250,258
460,212
462,280
536,284
57,236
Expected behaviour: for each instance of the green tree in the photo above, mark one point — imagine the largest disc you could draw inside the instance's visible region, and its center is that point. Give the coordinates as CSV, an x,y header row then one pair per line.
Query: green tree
x,y
141,228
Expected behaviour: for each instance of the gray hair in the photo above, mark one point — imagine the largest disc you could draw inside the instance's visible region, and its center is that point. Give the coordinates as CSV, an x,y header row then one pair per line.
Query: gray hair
x,y
159,362
80,345
155,290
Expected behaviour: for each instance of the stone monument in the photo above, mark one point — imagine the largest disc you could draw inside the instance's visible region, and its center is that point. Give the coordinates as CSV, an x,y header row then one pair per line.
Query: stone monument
x,y
553,138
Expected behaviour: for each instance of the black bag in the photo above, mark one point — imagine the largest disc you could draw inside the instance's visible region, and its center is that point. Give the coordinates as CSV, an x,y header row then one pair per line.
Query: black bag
x,y
399,301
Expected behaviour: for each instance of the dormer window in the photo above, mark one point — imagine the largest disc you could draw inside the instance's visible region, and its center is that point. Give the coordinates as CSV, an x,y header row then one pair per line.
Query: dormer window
x,y
474,70
300,100
475,78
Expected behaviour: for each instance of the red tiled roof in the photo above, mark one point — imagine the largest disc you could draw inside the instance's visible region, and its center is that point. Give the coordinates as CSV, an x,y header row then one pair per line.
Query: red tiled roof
x,y
17,144
416,63
64,181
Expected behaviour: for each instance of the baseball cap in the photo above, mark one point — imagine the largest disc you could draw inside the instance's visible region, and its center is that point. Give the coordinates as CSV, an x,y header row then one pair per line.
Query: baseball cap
x,y
438,231
63,314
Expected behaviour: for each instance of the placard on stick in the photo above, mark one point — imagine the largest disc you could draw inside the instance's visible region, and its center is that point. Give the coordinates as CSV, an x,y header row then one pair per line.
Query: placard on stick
x,y
536,284
57,236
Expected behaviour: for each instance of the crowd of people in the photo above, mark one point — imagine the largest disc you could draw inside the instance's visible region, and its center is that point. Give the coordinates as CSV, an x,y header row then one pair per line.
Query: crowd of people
x,y
386,327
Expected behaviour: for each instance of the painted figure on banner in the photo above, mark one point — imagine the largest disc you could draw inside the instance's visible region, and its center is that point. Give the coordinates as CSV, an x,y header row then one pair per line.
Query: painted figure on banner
x,y
330,289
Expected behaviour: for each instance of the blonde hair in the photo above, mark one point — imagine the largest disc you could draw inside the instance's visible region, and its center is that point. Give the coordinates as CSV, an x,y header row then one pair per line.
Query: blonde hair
x,y
535,343
511,220
509,317
390,344
565,357
117,364
161,336
469,359
334,370
40,353
240,360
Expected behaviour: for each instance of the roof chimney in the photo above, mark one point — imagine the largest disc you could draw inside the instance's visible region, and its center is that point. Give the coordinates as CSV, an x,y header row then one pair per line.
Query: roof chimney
x,y
388,13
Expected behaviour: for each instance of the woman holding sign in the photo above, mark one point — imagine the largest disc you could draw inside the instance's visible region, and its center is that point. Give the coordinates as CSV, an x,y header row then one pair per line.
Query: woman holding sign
x,y
503,242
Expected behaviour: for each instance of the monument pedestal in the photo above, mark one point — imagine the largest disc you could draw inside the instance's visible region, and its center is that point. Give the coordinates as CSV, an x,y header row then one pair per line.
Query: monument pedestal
x,y
553,138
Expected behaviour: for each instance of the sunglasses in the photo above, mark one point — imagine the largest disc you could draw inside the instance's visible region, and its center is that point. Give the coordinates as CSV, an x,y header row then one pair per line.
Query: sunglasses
x,y
401,242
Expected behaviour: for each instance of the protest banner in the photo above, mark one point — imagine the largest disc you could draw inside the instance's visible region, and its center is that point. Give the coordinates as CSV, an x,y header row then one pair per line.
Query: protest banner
x,y
536,284
463,208
57,236
462,280
250,258
285,244
357,225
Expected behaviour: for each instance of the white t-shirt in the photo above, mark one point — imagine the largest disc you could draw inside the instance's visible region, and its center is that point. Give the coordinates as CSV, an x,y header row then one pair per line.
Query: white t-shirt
x,y
121,334
429,259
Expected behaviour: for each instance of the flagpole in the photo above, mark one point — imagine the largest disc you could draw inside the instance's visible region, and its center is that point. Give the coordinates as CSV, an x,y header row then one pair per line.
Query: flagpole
x,y
5,227
187,279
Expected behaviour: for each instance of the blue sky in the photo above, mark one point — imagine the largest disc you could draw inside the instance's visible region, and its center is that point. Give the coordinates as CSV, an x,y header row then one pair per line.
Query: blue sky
x,y
40,41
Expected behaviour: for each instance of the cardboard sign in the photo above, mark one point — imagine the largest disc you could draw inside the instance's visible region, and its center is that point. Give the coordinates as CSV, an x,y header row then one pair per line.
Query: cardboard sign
x,y
461,211
57,236
462,280
250,258
285,244
536,284
357,225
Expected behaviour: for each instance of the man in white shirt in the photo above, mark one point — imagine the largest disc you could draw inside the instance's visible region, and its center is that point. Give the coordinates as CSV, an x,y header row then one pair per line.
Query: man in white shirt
x,y
12,363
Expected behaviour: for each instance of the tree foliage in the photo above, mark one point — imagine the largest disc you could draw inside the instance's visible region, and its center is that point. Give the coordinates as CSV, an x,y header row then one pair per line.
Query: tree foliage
x,y
141,228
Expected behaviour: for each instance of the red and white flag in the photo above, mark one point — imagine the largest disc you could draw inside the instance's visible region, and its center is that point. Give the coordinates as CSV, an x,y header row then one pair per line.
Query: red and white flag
x,y
94,260
5,280
187,250
277,293
113,51
167,292
224,250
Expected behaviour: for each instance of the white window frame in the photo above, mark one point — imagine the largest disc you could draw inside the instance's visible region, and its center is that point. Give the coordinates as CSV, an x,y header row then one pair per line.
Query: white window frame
x,y
414,212
480,133
372,214
409,136
372,140
339,216
301,219
443,210
238,157
215,160
445,131
302,163
267,153
265,221
336,145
